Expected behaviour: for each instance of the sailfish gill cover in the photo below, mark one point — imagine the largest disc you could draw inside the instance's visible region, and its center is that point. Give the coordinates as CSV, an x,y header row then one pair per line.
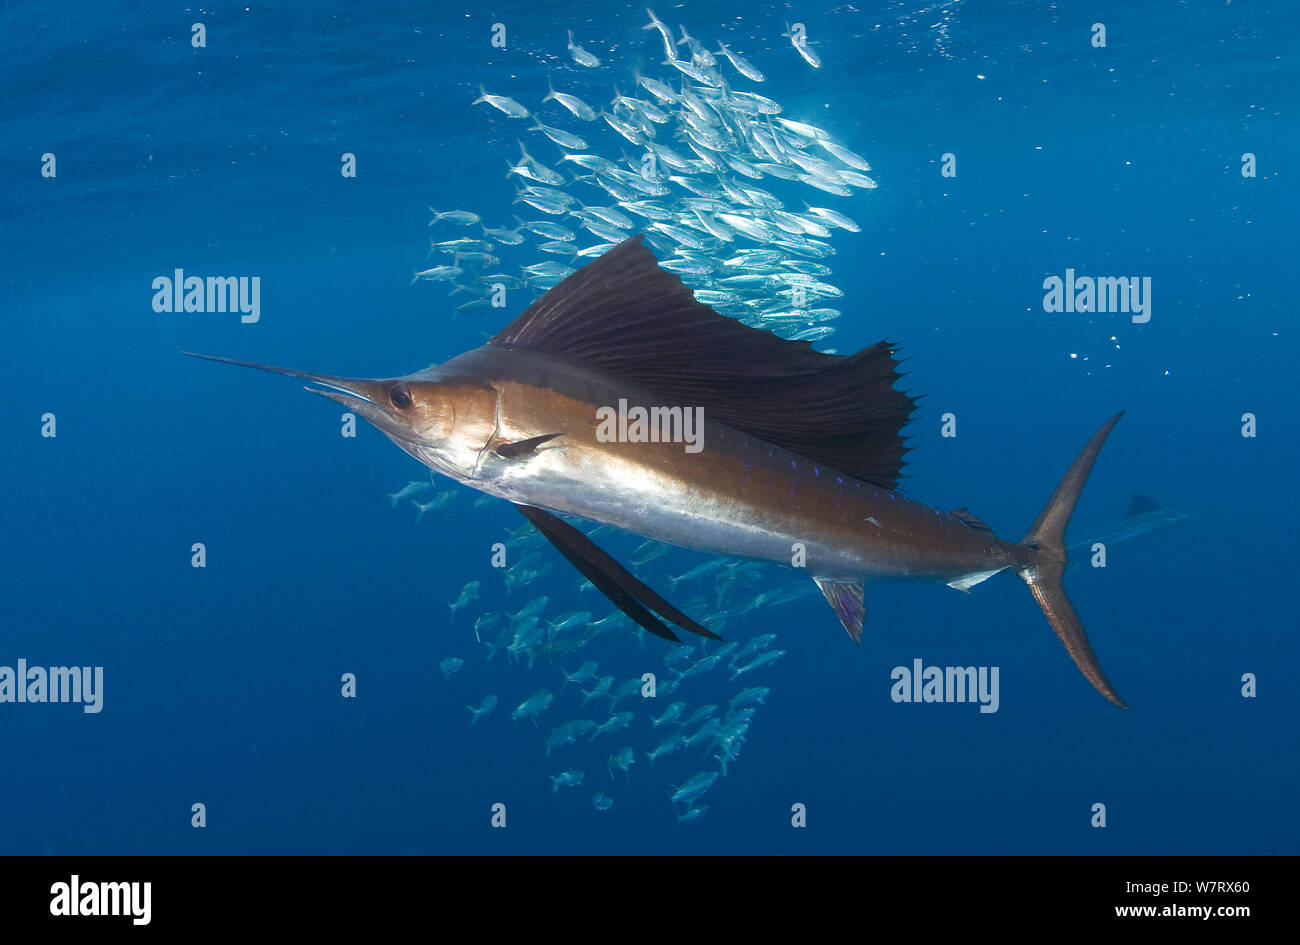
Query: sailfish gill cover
x,y
229,603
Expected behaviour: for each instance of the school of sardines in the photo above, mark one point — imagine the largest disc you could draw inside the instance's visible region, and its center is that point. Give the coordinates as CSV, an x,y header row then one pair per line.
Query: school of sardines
x,y
750,255
698,171
704,697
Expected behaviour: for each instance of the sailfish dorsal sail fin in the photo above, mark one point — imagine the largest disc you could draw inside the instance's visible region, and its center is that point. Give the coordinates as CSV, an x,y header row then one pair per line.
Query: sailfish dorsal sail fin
x,y
625,315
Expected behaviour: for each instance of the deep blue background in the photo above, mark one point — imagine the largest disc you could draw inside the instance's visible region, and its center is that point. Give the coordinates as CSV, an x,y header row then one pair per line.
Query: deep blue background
x,y
222,684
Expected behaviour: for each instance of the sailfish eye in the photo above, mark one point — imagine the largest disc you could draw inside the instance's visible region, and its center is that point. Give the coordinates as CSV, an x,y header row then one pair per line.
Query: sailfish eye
x,y
399,395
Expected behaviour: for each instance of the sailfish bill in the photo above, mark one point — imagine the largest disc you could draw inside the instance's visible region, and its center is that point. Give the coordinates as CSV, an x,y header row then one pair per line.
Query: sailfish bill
x,y
799,448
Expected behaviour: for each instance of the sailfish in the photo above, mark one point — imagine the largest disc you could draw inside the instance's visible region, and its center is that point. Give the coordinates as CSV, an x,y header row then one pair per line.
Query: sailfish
x,y
799,449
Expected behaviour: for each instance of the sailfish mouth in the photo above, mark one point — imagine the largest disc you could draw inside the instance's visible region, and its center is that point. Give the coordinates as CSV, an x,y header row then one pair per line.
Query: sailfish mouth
x,y
365,396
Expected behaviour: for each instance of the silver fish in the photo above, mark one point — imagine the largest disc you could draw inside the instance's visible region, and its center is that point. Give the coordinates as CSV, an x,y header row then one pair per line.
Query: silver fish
x,y
502,103
581,56
533,706
570,778
673,713
763,659
623,758
467,593
694,786
576,106
459,217
436,274
665,33
698,73
586,671
487,705
699,53
855,161
740,64
800,43
672,743
561,137
552,231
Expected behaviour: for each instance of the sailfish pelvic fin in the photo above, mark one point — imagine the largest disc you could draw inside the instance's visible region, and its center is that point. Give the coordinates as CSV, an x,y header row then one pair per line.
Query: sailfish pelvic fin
x,y
629,594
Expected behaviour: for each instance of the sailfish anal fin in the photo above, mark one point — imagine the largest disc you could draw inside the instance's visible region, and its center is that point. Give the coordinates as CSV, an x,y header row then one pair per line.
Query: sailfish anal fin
x,y
846,599
613,580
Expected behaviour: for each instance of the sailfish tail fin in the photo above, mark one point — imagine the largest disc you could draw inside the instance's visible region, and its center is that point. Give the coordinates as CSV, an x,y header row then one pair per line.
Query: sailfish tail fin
x,y
1046,571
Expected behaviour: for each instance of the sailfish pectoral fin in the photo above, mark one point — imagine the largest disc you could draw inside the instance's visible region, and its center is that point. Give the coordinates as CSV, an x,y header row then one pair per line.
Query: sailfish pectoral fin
x,y
610,578
846,599
523,448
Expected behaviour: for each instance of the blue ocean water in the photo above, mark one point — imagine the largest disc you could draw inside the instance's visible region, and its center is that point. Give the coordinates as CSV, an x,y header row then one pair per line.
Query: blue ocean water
x,y
222,684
